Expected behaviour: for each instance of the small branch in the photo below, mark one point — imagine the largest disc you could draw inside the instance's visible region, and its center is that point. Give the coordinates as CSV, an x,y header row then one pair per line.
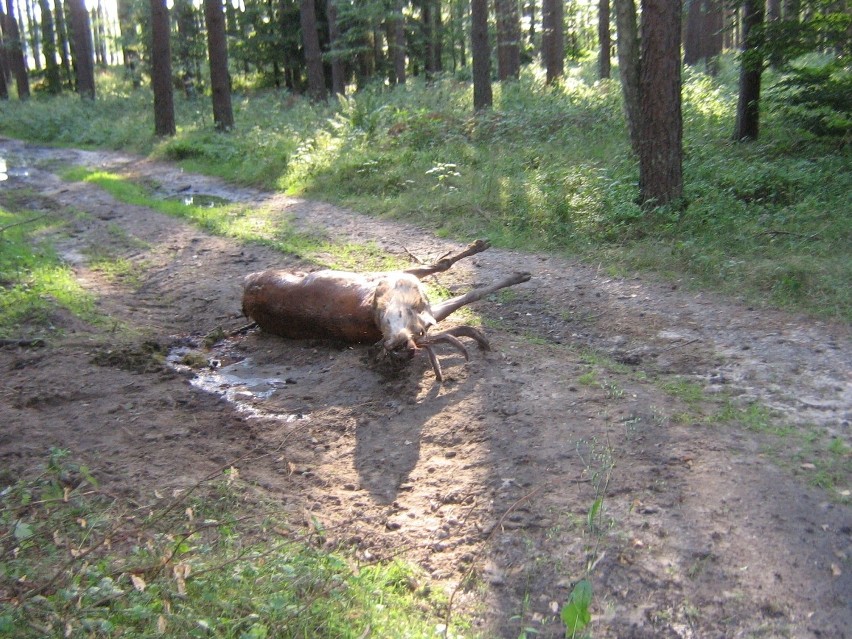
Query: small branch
x,y
242,330
22,222
774,233
24,343
680,345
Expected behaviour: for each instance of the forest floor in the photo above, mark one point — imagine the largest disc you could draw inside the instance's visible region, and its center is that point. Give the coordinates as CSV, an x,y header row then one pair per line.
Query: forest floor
x,y
714,436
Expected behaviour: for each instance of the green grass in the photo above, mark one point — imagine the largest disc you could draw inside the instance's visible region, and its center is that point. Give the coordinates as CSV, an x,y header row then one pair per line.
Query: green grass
x,y
549,168
76,562
247,224
33,280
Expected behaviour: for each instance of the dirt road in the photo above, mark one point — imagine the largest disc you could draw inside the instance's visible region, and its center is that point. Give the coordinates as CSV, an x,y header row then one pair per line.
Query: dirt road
x,y
711,525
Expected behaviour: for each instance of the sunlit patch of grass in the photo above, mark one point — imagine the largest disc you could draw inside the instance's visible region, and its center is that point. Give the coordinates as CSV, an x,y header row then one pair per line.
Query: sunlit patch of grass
x,y
33,281
202,561
251,224
119,269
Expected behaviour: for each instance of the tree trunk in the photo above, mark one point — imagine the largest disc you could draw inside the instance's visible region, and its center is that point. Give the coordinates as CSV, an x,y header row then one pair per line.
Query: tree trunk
x,y
661,139
399,43
129,44
187,28
481,52
15,51
604,67
751,63
48,42
4,88
63,46
161,70
508,39
713,30
338,79
553,39
217,50
33,31
84,58
628,66
432,34
692,52
310,43
101,30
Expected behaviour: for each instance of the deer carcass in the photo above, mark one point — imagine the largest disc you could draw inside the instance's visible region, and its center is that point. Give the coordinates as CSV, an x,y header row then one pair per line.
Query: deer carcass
x,y
389,309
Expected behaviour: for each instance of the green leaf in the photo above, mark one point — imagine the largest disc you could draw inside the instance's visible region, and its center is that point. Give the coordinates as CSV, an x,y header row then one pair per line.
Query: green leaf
x,y
594,510
575,613
23,531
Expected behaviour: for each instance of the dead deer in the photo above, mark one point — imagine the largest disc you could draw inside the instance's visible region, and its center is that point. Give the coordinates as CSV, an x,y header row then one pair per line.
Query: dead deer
x,y
389,308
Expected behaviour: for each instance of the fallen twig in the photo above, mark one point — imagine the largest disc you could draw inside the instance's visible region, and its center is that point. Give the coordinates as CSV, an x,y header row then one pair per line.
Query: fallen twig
x,y
22,222
24,343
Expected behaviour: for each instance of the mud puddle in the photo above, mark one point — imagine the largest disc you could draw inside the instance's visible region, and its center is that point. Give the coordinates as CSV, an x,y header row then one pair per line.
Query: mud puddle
x,y
237,379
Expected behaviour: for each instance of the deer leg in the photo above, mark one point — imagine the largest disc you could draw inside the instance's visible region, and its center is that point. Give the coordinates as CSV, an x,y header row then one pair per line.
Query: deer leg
x,y
442,310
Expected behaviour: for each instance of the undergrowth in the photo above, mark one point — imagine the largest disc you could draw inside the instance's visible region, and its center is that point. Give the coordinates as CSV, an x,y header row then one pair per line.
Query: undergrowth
x,y
76,562
549,168
35,286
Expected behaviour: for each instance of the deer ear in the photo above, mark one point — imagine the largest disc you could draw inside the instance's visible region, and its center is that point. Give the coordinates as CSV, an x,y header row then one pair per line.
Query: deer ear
x,y
427,319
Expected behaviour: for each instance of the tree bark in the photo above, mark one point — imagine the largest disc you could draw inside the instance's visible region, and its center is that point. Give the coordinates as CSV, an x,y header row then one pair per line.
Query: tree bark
x,y
129,44
628,66
161,70
508,39
692,53
48,42
604,66
751,63
661,140
62,46
217,49
713,29
15,51
84,58
338,79
481,52
553,39
187,27
33,30
310,43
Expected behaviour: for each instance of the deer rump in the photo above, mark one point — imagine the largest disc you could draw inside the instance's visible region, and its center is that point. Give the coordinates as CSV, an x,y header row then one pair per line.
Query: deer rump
x,y
389,309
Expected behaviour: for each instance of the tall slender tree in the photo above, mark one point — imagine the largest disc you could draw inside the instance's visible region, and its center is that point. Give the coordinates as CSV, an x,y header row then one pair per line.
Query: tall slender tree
x,y
508,39
311,46
63,46
604,40
84,59
751,67
161,70
48,44
34,33
127,20
397,27
338,80
661,137
217,50
553,39
15,51
481,52
628,66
